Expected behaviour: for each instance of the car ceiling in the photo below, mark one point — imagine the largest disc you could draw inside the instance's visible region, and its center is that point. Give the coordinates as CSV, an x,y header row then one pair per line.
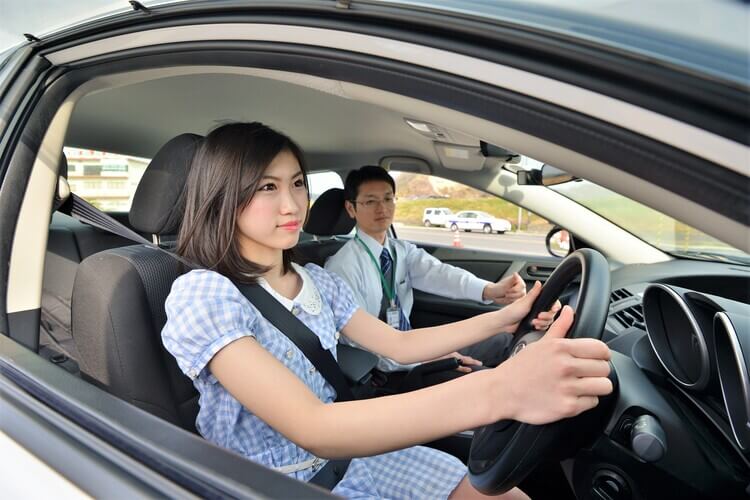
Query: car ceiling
x,y
335,132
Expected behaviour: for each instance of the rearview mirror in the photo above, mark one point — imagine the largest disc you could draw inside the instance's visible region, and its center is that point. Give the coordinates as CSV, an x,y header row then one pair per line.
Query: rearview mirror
x,y
546,176
553,175
506,155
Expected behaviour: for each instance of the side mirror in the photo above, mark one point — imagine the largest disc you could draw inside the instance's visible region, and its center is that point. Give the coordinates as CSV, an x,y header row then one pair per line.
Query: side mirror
x,y
559,243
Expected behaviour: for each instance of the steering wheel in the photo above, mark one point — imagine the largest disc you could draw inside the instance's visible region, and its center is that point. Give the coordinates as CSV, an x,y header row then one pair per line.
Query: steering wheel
x,y
503,453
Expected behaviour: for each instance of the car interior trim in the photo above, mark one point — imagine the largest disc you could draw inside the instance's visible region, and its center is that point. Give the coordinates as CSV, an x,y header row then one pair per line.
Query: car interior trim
x,y
29,245
17,162
712,147
744,380
717,421
702,380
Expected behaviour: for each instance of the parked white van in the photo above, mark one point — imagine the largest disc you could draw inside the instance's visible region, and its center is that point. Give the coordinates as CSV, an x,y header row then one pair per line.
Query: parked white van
x,y
436,216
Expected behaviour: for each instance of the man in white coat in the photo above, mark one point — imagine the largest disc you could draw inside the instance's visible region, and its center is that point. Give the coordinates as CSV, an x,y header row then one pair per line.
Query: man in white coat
x,y
383,272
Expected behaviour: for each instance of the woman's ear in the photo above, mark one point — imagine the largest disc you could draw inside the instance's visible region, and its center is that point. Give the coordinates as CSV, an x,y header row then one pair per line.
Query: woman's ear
x,y
350,209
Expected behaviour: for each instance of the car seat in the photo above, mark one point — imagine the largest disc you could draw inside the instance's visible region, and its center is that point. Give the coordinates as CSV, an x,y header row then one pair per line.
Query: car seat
x,y
119,294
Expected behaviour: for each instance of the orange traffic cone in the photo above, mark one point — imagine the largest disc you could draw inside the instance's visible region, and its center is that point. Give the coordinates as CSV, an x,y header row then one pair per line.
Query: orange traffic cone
x,y
457,240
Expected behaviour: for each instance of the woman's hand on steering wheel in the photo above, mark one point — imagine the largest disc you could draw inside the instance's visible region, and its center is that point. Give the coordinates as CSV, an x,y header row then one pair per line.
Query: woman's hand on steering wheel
x,y
560,377
517,311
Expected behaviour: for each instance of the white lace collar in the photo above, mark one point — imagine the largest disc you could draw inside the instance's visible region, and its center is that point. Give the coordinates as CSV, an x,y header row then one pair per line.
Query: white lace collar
x,y
308,297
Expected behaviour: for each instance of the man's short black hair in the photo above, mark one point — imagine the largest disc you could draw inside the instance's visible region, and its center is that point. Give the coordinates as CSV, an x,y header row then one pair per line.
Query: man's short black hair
x,y
365,174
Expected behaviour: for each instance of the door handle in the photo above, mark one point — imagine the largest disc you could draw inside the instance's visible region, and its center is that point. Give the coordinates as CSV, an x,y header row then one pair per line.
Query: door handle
x,y
537,271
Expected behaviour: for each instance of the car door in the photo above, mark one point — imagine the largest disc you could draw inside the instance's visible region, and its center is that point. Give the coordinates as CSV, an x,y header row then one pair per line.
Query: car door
x,y
430,309
457,219
471,221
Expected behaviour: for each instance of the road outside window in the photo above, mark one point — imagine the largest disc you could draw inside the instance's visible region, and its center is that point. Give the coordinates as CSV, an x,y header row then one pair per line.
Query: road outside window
x,y
437,211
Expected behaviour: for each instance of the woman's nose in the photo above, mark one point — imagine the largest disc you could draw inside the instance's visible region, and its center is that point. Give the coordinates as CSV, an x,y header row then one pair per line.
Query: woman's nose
x,y
289,204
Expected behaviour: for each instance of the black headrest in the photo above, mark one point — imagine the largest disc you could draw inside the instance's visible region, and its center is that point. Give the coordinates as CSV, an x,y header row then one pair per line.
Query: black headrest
x,y
155,207
328,216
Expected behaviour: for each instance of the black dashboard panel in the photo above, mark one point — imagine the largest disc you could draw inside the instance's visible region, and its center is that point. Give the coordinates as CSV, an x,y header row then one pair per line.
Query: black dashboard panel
x,y
675,381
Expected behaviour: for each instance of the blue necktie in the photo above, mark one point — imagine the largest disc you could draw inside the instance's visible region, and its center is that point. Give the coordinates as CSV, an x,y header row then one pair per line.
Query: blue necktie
x,y
386,264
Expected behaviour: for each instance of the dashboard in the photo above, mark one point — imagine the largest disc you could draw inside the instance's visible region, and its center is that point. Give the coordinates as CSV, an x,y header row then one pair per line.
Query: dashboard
x,y
680,336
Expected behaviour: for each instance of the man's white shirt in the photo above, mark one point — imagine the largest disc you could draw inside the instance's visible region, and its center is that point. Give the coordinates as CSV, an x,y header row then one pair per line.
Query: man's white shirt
x,y
414,268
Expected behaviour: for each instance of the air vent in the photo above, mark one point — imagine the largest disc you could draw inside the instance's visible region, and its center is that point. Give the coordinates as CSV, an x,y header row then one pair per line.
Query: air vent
x,y
619,294
631,316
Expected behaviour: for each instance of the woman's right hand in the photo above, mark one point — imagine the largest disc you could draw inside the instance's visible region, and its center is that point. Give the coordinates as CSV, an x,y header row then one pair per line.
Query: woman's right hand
x,y
556,377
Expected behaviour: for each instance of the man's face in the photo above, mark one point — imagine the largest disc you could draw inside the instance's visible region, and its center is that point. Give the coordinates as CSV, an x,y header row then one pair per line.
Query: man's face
x,y
374,207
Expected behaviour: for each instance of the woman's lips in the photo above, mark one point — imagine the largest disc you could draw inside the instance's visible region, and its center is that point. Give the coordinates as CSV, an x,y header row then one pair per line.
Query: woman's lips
x,y
291,226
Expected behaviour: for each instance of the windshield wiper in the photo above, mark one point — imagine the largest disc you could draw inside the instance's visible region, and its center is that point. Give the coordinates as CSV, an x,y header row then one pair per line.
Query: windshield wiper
x,y
711,256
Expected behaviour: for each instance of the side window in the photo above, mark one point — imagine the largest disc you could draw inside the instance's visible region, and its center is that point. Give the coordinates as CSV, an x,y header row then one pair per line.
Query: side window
x,y
466,217
318,183
106,180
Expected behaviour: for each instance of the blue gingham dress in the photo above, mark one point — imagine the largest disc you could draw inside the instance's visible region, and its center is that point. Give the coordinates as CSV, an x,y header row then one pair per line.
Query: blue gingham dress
x,y
205,312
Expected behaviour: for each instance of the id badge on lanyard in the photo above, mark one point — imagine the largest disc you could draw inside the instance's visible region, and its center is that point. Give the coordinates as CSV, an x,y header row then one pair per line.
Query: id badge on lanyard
x,y
393,316
393,312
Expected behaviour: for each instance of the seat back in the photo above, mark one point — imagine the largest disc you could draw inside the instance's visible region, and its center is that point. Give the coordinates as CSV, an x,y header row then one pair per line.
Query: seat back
x,y
118,299
68,243
327,220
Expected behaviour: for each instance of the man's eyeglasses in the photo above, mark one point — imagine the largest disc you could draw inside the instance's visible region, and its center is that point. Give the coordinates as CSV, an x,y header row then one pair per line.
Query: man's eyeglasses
x,y
387,202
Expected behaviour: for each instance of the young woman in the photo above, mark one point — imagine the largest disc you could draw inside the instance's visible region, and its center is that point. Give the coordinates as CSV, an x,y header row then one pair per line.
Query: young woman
x,y
246,201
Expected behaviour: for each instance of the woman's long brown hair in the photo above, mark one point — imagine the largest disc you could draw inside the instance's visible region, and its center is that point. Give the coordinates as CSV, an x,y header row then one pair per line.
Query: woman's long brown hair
x,y
224,176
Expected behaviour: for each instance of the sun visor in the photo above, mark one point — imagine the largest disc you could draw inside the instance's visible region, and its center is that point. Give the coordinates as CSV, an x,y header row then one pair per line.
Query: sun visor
x,y
460,157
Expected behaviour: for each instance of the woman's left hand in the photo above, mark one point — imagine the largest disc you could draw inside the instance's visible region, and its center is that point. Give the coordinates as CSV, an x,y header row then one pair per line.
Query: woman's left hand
x,y
515,312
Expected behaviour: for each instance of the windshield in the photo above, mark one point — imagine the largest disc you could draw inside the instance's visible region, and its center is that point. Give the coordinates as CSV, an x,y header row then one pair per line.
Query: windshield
x,y
655,228
710,36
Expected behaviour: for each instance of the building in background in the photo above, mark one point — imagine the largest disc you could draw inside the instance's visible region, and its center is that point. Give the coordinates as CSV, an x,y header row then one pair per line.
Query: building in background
x,y
106,180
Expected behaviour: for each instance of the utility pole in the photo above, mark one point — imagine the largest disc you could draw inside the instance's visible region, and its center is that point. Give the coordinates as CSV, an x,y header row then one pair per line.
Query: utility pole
x,y
520,216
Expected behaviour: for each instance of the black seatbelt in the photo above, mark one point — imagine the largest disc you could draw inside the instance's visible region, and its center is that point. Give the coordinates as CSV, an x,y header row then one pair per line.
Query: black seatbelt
x,y
301,335
87,213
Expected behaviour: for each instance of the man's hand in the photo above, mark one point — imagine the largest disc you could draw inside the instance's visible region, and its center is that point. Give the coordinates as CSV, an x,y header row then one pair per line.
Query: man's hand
x,y
466,361
518,310
506,290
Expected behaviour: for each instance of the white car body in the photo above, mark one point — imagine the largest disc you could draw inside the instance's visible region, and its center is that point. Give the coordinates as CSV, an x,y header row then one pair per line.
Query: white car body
x,y
436,216
474,220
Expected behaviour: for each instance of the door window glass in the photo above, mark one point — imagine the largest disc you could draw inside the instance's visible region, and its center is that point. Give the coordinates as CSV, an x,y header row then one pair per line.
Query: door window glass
x,y
106,180
523,232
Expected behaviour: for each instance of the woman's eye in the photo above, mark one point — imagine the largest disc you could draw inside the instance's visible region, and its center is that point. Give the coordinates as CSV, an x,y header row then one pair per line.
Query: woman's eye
x,y
267,187
299,183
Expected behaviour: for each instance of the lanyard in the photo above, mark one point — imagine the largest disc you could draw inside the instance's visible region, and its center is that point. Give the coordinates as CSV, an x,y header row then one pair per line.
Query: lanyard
x,y
389,293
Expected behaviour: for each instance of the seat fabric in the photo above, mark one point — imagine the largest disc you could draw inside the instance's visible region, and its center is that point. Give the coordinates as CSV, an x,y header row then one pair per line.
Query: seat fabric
x,y
119,294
